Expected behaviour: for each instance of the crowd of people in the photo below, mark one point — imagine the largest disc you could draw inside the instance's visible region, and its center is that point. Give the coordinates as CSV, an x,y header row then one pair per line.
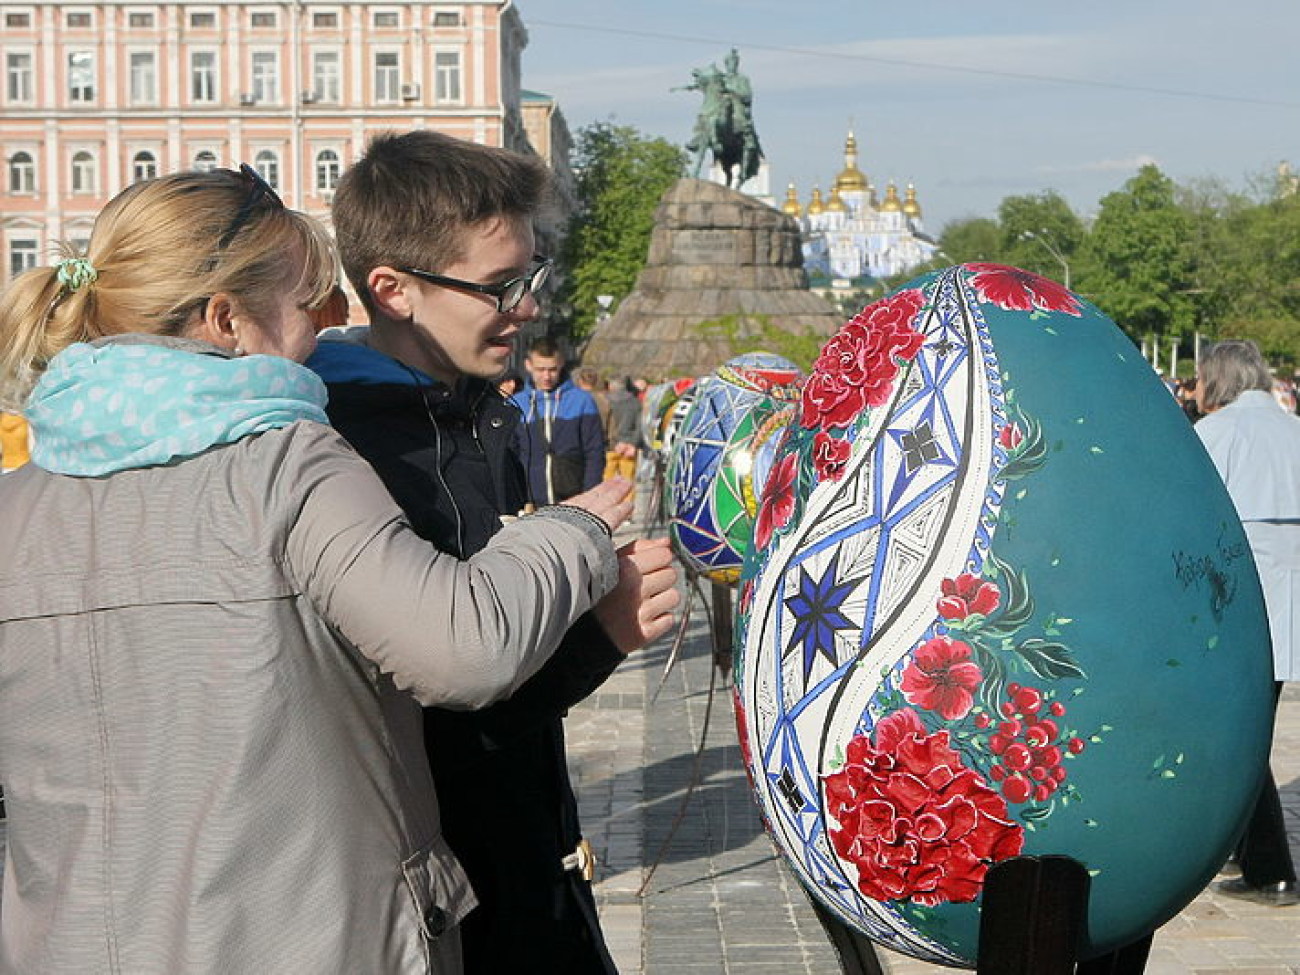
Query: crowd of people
x,y
314,598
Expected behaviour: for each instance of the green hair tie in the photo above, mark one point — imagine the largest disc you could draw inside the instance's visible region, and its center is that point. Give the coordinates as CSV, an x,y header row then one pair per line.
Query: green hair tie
x,y
75,273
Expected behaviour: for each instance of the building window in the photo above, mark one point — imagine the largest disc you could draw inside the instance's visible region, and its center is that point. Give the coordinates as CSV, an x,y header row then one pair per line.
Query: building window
x,y
328,168
205,161
144,78
388,77
325,19
386,18
84,175
140,20
22,173
22,255
263,19
266,76
18,77
446,68
79,20
326,84
144,165
81,76
203,76
446,18
267,164
203,20
17,21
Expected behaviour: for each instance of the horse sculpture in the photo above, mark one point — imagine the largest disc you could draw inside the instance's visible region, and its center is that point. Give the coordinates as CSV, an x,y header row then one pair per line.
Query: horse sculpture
x,y
725,126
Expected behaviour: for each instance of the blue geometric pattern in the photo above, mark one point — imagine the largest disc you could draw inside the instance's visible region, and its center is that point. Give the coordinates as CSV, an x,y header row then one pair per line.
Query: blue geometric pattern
x,y
846,594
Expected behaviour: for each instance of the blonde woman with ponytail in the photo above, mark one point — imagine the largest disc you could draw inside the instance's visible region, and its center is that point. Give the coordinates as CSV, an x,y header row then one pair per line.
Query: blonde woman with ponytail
x,y
216,628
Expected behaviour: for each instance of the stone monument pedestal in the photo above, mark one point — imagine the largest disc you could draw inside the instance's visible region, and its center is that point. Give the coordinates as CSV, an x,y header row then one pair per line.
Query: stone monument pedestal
x,y
724,276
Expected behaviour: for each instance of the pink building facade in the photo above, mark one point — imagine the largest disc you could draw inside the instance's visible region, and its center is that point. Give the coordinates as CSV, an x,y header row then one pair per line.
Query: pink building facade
x,y
98,95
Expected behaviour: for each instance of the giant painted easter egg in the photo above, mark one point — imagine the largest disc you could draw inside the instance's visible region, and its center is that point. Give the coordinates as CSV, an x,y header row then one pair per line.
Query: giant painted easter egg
x,y
659,400
710,468
999,605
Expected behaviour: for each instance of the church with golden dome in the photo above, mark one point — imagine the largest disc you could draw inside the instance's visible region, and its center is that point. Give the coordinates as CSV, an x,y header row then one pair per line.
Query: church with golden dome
x,y
852,234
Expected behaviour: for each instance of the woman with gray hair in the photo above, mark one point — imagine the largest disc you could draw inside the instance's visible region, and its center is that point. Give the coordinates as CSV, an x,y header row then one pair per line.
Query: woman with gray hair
x,y
1255,445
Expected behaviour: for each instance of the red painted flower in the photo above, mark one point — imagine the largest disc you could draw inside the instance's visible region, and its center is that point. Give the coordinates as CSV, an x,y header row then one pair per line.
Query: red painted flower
x,y
965,595
941,678
1010,436
914,821
778,500
829,456
858,366
1017,290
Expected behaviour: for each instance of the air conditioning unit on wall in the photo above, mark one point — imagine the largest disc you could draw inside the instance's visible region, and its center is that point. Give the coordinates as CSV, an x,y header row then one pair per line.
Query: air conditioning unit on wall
x,y
308,97
410,92
247,99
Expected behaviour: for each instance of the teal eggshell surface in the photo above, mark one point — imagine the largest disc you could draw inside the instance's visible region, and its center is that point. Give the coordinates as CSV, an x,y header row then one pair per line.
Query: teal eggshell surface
x,y
1002,606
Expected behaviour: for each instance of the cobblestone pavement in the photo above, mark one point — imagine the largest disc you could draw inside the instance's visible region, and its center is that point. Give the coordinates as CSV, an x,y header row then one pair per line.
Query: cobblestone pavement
x,y
720,901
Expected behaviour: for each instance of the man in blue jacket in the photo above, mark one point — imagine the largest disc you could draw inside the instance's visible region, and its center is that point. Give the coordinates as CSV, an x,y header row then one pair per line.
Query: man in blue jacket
x,y
561,441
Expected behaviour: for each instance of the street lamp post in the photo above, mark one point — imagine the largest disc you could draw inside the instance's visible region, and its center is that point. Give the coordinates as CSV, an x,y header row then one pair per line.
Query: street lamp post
x,y
1042,239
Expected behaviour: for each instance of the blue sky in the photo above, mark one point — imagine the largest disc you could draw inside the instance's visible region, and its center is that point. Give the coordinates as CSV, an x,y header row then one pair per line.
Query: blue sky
x,y
971,102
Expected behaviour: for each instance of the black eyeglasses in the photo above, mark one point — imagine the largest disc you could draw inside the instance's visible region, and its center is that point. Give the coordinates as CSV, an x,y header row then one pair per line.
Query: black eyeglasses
x,y
259,192
508,294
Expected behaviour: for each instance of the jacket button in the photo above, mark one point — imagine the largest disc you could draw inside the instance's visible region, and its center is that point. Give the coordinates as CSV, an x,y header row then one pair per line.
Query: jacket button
x,y
435,921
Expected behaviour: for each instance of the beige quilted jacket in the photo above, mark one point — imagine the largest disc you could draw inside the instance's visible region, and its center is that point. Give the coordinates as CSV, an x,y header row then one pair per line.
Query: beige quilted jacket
x,y
209,732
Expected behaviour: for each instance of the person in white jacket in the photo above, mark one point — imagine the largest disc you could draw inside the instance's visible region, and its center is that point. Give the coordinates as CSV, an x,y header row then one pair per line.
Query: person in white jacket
x,y
217,628
1255,445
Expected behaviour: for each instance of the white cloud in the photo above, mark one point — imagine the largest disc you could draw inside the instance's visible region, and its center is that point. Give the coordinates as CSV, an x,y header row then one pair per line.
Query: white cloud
x,y
1130,165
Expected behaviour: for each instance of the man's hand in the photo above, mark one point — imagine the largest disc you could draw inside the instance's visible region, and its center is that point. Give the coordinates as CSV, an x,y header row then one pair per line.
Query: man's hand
x,y
640,608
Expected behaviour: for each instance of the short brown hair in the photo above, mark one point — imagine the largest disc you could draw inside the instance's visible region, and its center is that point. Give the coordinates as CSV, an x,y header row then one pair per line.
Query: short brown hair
x,y
410,198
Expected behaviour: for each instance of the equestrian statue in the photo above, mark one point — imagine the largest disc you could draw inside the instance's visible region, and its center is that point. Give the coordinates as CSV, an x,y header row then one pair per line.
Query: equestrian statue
x,y
725,125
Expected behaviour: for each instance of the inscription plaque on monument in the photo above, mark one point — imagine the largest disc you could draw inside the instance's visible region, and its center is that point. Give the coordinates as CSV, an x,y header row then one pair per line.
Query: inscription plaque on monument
x,y
705,247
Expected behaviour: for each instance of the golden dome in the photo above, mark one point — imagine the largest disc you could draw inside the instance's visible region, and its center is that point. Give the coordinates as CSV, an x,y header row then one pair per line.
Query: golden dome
x,y
791,204
910,206
835,203
815,204
851,179
892,203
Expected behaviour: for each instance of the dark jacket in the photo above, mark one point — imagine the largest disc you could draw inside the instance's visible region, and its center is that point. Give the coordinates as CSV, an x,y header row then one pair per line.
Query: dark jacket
x,y
509,813
562,441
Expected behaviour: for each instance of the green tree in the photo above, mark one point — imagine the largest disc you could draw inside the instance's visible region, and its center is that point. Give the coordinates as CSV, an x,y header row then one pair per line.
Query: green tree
x,y
621,176
1139,266
972,239
1040,233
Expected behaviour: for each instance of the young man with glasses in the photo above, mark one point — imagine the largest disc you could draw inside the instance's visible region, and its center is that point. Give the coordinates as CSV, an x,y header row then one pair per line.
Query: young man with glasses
x,y
436,236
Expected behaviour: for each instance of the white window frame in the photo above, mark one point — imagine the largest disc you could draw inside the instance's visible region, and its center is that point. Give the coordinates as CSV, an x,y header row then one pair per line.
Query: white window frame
x,y
144,165
388,79
443,15
317,14
20,85
264,86
257,12
82,94
327,86
267,164
71,12
442,77
386,12
21,173
22,19
83,173
202,165
204,87
21,258
142,68
149,18
195,14
326,171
